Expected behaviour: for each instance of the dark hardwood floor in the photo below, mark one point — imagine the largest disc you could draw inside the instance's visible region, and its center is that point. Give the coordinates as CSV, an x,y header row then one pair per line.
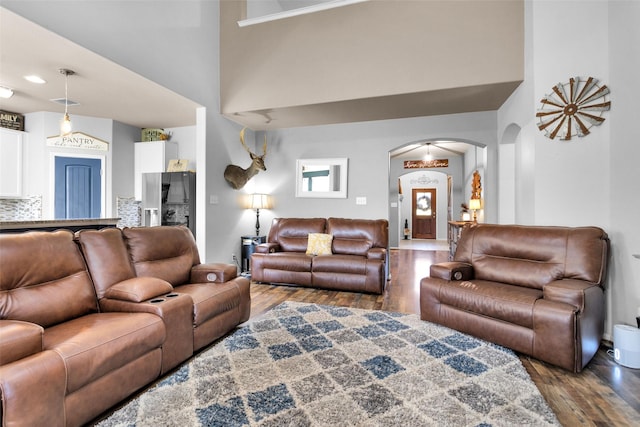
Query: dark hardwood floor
x,y
603,394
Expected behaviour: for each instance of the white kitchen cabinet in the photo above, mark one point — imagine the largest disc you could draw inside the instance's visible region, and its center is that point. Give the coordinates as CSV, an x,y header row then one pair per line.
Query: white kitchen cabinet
x,y
11,142
150,157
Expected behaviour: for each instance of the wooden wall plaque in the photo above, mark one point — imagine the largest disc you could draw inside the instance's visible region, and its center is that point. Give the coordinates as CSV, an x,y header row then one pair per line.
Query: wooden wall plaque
x,y
11,120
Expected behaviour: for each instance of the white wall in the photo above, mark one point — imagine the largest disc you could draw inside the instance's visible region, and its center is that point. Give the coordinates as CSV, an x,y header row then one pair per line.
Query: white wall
x,y
123,165
576,170
623,196
39,170
185,137
507,175
590,180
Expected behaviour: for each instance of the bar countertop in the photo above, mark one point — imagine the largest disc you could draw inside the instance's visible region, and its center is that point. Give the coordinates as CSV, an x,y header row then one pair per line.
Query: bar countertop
x,y
58,223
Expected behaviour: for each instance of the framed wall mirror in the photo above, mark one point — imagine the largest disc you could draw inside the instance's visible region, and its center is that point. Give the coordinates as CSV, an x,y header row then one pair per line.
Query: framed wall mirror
x,y
322,178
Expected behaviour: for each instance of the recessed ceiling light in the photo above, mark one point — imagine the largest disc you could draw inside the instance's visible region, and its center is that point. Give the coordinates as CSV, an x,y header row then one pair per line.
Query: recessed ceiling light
x,y
6,92
35,79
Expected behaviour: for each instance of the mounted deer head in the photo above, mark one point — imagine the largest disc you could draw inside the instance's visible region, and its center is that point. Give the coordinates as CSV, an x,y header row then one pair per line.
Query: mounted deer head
x,y
236,176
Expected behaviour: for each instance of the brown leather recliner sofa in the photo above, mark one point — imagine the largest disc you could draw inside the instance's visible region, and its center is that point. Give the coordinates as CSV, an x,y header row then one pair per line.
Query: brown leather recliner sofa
x,y
87,320
537,290
358,260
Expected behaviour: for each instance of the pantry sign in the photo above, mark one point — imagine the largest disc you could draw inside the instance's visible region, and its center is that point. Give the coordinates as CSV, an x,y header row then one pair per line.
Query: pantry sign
x,y
78,140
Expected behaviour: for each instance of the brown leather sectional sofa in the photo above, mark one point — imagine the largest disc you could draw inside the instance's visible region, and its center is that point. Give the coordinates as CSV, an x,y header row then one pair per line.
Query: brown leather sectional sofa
x,y
358,260
88,319
537,290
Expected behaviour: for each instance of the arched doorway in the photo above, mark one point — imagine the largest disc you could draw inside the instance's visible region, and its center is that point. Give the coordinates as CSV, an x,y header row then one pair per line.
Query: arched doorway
x,y
515,178
434,183
454,160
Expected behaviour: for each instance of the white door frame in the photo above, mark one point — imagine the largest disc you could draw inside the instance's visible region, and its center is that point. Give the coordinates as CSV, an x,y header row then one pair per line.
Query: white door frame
x,y
52,179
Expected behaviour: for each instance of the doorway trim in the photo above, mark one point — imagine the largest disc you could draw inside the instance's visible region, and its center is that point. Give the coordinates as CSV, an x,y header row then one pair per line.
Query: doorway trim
x,y
52,179
458,184
430,195
422,179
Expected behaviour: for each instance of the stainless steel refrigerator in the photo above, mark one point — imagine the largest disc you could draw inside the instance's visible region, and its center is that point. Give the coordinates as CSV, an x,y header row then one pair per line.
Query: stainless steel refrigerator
x,y
169,198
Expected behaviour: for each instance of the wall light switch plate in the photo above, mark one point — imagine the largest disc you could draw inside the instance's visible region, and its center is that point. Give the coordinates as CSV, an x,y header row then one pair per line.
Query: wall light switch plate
x,y
213,199
361,200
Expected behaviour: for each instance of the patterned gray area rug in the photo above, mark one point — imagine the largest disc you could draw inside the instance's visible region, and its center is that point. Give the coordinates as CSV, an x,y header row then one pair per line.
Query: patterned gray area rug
x,y
315,365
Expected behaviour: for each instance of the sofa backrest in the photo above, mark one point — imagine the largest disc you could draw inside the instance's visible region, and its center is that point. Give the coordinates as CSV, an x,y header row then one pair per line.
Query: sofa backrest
x,y
533,256
105,253
357,236
165,252
292,234
43,278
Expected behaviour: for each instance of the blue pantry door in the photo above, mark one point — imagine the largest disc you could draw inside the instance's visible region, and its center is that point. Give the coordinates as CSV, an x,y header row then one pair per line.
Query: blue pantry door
x,y
77,188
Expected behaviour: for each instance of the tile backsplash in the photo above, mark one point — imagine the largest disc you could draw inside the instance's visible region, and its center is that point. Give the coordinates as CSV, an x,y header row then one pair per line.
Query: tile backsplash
x,y
27,208
128,211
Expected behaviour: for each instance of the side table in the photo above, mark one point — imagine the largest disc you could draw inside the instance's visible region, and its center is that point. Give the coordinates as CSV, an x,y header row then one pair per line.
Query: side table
x,y
454,232
248,246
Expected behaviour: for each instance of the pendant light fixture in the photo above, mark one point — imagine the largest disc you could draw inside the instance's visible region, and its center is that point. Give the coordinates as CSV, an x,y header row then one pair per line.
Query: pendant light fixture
x,y
428,156
65,125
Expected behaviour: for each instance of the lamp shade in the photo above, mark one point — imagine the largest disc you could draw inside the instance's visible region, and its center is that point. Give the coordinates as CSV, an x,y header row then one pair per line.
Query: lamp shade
x,y
474,204
260,201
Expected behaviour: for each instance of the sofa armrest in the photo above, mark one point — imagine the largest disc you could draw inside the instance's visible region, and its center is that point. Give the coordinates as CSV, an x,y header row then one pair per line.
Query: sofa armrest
x,y
570,291
33,390
267,248
18,340
175,310
377,253
138,289
452,271
213,272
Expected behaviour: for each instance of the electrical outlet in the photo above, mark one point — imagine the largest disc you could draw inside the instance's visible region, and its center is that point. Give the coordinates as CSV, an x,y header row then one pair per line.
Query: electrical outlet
x,y
233,257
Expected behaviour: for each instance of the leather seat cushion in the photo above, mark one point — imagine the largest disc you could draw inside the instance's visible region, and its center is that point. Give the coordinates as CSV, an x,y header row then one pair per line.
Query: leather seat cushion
x,y
97,344
287,261
512,304
350,264
211,299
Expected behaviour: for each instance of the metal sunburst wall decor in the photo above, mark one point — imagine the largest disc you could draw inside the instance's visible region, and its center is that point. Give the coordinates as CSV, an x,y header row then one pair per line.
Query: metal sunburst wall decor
x,y
573,108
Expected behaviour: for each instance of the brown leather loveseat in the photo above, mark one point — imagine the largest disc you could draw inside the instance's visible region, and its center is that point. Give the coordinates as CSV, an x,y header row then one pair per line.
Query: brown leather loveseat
x,y
535,289
87,320
357,260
